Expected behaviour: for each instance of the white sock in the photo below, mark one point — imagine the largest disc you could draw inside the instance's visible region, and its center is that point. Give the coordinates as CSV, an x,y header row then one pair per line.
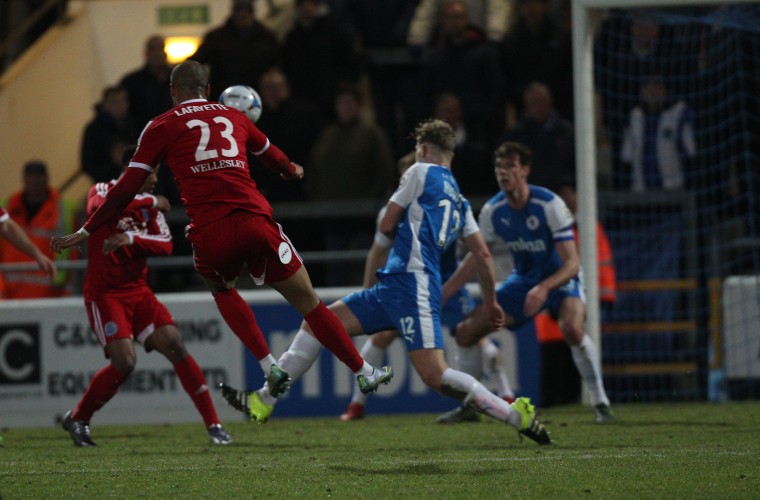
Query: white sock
x,y
586,357
295,361
468,360
266,363
493,366
478,397
372,355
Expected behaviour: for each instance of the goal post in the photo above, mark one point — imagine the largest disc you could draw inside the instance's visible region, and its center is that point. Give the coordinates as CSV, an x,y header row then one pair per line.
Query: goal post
x,y
692,284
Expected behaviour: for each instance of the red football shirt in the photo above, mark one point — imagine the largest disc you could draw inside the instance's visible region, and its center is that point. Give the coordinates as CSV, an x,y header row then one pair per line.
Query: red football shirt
x,y
3,215
126,268
204,144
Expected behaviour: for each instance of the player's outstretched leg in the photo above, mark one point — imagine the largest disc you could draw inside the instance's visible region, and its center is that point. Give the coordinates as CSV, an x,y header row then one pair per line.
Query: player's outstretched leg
x,y
520,414
530,427
379,376
278,381
247,402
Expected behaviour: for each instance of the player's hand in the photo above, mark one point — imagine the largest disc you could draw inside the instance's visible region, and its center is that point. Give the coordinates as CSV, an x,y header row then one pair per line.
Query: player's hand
x,y
535,300
58,243
296,175
46,265
162,203
115,241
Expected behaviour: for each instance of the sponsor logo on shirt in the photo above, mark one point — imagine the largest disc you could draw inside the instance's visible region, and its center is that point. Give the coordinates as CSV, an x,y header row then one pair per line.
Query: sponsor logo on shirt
x,y
520,245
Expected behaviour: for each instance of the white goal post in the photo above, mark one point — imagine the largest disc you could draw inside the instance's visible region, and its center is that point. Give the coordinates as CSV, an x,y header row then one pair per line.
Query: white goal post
x,y
585,136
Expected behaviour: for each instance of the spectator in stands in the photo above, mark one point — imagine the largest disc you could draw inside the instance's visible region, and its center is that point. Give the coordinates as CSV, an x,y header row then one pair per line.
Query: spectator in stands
x,y
12,234
238,52
41,213
392,66
472,154
465,64
658,143
319,55
106,134
350,160
545,132
560,381
353,150
489,16
292,123
148,98
146,86
538,48
626,48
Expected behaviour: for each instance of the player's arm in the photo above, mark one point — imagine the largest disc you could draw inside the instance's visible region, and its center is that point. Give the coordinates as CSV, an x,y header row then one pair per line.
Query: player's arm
x,y
376,258
409,188
460,277
16,236
466,268
116,201
480,256
271,156
537,295
155,241
389,222
560,221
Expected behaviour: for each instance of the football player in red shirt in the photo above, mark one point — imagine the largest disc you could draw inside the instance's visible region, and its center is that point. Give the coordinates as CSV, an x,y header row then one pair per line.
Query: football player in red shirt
x,y
122,308
204,144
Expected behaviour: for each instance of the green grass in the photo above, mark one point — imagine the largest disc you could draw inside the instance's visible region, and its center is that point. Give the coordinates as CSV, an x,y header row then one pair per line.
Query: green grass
x,y
652,451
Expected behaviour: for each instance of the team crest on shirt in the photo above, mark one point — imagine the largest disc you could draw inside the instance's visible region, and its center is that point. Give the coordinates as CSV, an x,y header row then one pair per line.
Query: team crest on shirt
x,y
532,222
110,328
285,253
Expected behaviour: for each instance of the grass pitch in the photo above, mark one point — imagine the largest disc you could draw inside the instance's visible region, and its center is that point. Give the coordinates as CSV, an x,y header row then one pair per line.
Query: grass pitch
x,y
652,451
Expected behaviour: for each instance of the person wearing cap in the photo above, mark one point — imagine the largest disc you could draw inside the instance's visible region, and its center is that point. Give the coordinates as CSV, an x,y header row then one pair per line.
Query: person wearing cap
x,y
239,51
41,213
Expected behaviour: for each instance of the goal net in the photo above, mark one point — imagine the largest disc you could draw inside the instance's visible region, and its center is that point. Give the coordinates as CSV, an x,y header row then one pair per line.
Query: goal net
x,y
676,150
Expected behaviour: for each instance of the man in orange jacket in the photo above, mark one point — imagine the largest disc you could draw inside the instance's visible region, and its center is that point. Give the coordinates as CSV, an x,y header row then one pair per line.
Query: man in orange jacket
x,y
40,211
560,381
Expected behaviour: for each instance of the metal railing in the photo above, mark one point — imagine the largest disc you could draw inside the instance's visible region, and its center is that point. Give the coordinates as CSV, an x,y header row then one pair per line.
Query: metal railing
x,y
12,46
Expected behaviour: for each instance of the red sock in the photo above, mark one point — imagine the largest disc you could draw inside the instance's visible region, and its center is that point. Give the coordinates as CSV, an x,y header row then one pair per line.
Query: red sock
x,y
241,320
330,332
102,388
191,376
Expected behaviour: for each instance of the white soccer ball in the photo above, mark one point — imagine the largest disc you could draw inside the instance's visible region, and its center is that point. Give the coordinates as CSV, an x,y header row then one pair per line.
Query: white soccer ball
x,y
243,98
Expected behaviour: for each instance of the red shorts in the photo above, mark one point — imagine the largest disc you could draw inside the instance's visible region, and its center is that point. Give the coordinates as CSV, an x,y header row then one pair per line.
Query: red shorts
x,y
221,249
126,315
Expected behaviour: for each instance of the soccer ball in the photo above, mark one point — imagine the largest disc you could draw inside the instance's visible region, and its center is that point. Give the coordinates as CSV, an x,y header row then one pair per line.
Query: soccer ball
x,y
243,98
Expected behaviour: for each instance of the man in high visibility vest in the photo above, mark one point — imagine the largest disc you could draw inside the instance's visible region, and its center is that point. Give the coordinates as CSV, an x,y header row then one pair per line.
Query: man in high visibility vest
x,y
560,382
41,212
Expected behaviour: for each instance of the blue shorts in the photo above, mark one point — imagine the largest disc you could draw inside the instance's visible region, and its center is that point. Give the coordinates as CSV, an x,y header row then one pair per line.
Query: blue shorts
x,y
409,303
512,292
456,309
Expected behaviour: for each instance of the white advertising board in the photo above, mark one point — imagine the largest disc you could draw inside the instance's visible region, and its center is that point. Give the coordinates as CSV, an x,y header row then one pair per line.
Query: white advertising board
x,y
741,319
48,355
